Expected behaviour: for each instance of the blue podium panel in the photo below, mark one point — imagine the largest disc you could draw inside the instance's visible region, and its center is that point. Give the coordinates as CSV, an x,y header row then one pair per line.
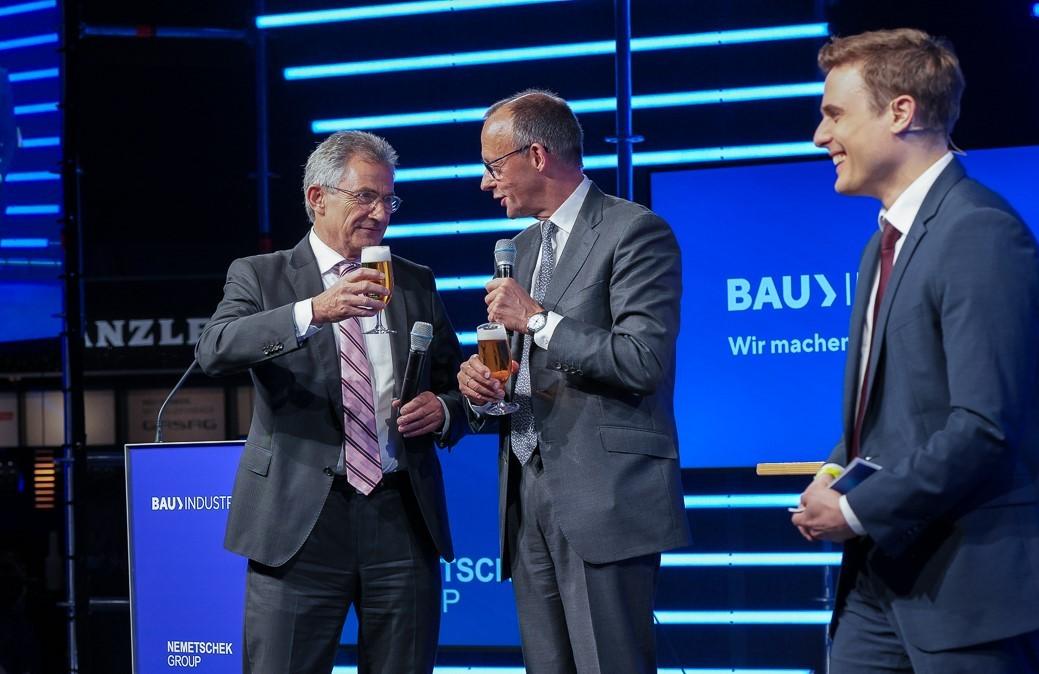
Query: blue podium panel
x,y
770,259
186,591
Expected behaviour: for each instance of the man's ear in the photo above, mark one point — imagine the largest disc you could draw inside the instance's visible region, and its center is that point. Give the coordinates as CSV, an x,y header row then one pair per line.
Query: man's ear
x,y
538,156
316,199
903,112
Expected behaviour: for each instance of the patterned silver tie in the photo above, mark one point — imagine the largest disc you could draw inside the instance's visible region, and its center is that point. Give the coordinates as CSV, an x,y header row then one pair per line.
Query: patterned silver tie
x,y
524,435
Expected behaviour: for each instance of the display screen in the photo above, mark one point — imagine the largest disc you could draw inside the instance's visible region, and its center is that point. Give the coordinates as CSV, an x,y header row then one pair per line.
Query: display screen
x,y
770,256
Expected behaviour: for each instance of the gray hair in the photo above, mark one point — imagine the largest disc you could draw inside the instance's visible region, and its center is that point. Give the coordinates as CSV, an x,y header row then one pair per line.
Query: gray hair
x,y
541,116
327,162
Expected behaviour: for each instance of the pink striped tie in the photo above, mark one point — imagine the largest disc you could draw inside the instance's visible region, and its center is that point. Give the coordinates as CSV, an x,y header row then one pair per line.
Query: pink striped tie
x,y
360,438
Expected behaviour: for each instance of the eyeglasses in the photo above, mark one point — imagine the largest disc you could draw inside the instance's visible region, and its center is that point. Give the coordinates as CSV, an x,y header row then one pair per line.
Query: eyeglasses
x,y
494,166
368,198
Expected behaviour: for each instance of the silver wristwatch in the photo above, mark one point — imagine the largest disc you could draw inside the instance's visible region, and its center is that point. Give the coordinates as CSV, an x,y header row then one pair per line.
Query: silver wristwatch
x,y
537,322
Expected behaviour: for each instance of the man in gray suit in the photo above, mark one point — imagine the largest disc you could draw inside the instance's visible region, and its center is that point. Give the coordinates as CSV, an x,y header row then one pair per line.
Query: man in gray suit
x,y
339,497
941,386
590,490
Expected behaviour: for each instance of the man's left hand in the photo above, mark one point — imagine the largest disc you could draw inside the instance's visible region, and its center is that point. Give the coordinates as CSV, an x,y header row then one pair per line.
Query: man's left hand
x,y
509,304
422,414
822,519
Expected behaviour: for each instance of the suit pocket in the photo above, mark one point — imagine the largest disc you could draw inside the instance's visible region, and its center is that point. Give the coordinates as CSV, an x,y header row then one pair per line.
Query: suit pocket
x,y
257,459
637,441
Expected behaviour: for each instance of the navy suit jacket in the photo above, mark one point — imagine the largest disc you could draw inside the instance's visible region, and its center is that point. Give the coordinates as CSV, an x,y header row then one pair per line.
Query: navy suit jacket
x,y
952,520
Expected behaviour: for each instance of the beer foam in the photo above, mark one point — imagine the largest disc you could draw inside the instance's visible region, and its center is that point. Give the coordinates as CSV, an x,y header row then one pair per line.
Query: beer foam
x,y
375,254
491,332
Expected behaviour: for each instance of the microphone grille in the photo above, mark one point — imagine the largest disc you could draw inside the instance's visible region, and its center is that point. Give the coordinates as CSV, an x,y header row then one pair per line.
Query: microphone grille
x,y
421,336
505,252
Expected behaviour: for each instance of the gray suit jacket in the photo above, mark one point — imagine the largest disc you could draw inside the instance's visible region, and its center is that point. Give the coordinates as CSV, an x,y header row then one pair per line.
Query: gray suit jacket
x,y
602,392
297,427
953,418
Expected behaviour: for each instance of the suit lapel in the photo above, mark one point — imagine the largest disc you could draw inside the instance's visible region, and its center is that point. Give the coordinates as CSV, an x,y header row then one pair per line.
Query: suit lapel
x,y
867,270
578,245
928,209
528,243
306,283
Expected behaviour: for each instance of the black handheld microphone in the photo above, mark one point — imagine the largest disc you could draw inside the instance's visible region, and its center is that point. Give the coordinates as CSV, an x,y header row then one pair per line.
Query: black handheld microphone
x,y
504,258
421,336
159,434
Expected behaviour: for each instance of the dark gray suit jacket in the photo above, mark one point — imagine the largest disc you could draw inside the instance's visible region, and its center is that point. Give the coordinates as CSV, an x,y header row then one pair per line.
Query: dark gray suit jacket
x,y
953,418
297,427
602,392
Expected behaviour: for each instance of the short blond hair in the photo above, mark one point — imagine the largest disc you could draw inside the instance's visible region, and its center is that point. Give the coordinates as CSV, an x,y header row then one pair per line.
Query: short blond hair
x,y
900,62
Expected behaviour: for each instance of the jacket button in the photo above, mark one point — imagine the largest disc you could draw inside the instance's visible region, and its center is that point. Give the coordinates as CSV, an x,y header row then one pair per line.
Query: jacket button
x,y
328,471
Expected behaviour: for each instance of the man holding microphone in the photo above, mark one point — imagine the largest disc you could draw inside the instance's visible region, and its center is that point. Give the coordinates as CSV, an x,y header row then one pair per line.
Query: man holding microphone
x,y
590,491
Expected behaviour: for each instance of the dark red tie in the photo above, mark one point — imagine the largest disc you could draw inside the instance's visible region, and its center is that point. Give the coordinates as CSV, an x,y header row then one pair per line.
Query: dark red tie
x,y
888,238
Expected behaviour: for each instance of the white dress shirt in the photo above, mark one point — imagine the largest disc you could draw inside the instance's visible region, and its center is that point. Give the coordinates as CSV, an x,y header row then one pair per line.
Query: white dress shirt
x,y
380,358
564,219
901,216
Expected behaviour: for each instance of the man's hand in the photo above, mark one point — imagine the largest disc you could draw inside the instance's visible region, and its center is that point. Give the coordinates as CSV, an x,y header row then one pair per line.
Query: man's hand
x,y
821,518
509,304
349,297
476,383
422,414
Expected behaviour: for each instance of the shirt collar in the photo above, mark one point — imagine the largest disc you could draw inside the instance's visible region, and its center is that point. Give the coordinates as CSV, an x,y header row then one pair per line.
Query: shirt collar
x,y
566,215
326,257
903,212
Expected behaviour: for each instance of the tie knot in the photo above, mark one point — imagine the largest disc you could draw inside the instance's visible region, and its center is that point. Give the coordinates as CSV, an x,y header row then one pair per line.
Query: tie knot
x,y
548,228
343,267
889,236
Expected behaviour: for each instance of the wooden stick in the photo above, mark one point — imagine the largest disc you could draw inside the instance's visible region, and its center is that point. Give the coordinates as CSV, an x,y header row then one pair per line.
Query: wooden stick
x,y
790,468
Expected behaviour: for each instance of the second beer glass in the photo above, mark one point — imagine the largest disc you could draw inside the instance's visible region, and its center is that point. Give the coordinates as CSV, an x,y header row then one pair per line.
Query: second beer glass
x,y
493,348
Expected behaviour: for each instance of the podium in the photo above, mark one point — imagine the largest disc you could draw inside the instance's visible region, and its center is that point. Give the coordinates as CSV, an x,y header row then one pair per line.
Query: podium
x,y
186,591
